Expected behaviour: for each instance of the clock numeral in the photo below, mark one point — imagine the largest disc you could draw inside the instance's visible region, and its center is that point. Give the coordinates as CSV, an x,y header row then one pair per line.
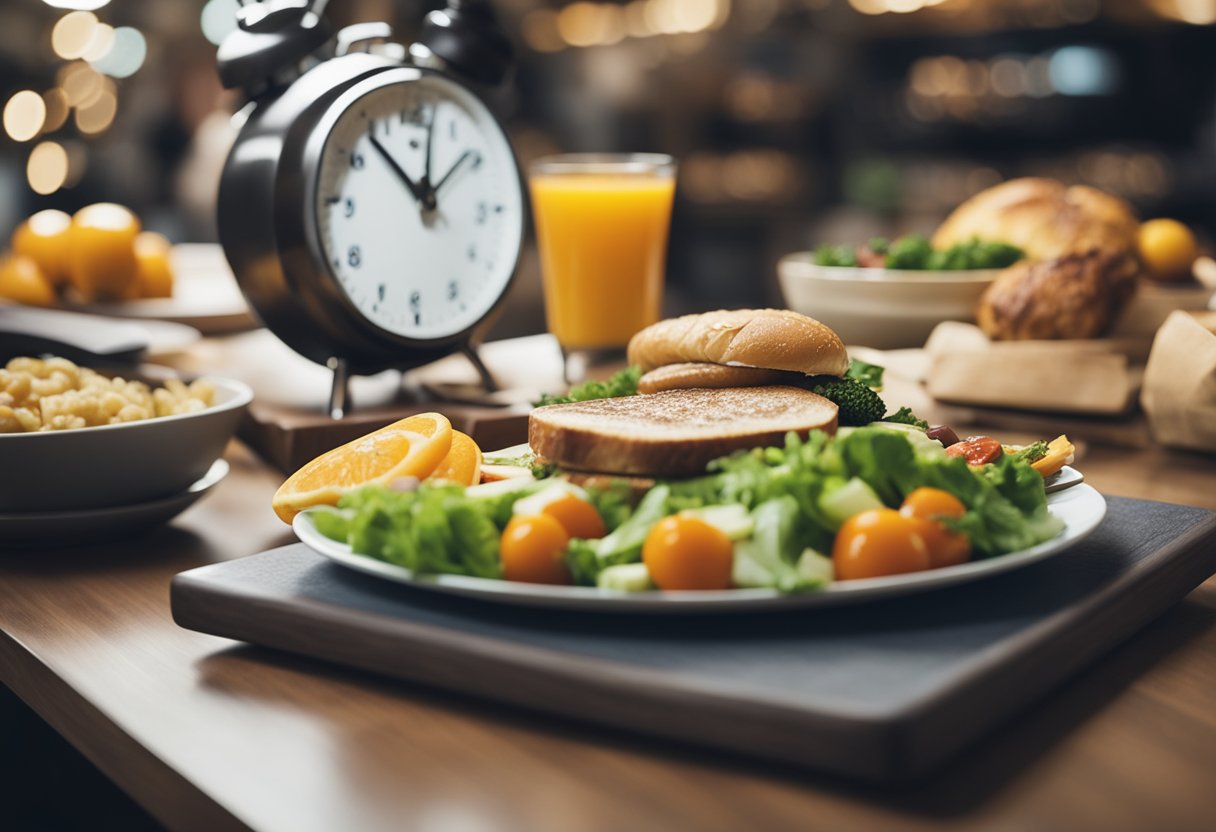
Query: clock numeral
x,y
452,129
354,257
472,253
380,290
453,290
416,306
356,161
482,212
348,207
476,161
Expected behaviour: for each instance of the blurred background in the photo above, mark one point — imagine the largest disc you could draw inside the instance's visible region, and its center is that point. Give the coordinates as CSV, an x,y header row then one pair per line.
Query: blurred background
x,y
795,121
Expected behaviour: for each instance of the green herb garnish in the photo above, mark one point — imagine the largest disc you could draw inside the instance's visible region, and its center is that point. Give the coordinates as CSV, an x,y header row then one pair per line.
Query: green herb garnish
x,y
868,374
623,383
1032,452
905,416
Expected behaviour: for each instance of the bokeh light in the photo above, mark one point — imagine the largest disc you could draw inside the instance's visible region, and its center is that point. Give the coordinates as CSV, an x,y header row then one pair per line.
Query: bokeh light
x,y
80,5
24,115
98,115
56,102
47,168
127,55
73,34
81,84
100,44
218,19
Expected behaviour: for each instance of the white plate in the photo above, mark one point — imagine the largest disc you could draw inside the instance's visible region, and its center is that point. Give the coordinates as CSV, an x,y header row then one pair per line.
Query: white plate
x,y
47,529
1080,507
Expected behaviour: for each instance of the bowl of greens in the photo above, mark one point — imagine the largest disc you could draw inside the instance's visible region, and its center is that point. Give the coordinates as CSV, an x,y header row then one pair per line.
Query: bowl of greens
x,y
890,294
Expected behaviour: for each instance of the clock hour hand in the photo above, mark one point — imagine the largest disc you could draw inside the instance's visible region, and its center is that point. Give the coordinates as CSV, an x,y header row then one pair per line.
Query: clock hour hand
x,y
420,195
464,157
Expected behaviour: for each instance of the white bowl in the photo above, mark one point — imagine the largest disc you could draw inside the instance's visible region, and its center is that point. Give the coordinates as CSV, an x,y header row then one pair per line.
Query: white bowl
x,y
115,465
881,308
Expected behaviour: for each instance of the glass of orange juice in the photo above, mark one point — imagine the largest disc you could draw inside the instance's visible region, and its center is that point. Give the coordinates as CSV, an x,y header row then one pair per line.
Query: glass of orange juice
x,y
601,226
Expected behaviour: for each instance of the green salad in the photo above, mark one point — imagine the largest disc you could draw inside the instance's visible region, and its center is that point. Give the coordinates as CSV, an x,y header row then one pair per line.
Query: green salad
x,y
915,253
873,500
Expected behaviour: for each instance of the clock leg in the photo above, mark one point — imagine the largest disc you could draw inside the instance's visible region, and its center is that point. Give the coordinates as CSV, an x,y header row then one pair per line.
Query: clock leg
x,y
339,392
487,380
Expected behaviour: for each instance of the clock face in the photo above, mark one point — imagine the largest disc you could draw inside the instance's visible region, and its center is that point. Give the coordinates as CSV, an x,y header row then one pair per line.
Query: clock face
x,y
419,207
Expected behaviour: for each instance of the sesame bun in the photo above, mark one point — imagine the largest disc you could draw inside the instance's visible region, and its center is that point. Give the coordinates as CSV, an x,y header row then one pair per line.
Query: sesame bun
x,y
770,339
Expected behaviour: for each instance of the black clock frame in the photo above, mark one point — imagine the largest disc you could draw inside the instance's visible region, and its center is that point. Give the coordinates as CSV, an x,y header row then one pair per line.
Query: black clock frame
x,y
268,222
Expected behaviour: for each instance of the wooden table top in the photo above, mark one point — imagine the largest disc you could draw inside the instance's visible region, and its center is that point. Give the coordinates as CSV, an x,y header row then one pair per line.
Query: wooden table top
x,y
208,734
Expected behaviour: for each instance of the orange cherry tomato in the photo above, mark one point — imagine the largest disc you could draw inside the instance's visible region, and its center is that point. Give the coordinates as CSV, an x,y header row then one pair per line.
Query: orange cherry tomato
x,y
687,553
925,506
977,450
578,517
878,542
532,549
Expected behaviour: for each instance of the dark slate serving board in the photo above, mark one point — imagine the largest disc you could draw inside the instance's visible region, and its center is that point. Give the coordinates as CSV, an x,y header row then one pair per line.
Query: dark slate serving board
x,y
884,690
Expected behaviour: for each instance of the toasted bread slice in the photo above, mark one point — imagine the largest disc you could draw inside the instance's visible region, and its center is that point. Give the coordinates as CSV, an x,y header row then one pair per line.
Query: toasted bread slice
x,y
674,433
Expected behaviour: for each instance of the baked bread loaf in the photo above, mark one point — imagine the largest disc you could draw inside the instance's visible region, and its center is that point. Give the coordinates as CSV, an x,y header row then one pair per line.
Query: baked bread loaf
x,y
773,339
709,376
1044,218
1077,295
672,434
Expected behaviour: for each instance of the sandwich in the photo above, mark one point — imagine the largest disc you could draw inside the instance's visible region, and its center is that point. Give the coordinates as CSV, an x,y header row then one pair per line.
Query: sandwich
x,y
712,384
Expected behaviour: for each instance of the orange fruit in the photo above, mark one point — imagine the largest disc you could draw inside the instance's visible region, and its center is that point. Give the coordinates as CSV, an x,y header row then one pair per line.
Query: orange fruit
x,y
44,239
462,465
412,447
101,254
21,280
1167,248
153,274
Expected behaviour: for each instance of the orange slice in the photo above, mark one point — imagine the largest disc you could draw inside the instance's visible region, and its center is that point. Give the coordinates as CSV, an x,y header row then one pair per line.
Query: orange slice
x,y
412,447
462,465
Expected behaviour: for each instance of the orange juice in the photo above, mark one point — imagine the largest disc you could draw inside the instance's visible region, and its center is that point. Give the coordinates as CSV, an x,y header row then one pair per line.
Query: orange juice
x,y
603,245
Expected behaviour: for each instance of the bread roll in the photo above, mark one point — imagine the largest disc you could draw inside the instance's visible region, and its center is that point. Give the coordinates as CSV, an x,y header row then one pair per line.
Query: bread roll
x,y
672,434
1044,218
774,339
708,376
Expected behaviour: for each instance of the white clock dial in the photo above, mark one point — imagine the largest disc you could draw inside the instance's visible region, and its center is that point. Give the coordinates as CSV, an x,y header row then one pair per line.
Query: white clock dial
x,y
419,207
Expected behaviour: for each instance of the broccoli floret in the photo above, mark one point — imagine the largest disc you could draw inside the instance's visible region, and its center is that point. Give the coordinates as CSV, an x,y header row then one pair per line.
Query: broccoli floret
x,y
836,256
859,405
910,252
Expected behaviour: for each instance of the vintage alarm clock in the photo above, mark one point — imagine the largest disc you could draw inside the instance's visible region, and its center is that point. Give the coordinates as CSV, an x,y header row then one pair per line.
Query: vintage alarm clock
x,y
371,207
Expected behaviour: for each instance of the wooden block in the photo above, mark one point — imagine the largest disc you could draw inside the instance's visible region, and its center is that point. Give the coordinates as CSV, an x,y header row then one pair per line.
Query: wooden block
x,y
289,437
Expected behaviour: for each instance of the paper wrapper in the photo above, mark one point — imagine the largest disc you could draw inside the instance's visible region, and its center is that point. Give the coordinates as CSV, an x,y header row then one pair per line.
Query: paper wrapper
x,y
1083,377
1179,393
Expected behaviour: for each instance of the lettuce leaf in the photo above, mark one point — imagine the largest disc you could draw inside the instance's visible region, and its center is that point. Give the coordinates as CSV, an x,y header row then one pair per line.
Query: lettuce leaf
x,y
433,529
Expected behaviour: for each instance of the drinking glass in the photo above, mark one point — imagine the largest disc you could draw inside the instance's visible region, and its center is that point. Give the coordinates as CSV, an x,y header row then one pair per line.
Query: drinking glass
x,y
602,222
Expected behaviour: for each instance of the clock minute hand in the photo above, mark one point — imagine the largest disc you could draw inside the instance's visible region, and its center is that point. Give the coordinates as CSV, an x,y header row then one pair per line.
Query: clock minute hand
x,y
468,154
418,193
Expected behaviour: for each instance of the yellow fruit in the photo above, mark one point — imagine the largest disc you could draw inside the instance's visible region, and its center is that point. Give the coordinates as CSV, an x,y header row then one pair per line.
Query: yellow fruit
x,y
44,239
1167,248
21,280
462,465
412,447
101,254
153,274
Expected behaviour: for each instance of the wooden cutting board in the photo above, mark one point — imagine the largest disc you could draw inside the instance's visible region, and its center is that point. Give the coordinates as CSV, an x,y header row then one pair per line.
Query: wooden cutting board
x,y
884,690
